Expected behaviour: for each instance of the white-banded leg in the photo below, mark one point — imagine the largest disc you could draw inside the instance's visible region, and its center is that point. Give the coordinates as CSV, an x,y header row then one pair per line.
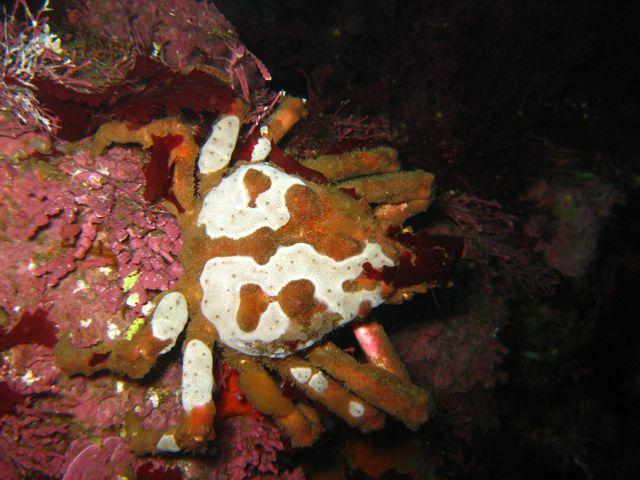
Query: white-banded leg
x,y
403,400
216,152
323,389
195,425
134,353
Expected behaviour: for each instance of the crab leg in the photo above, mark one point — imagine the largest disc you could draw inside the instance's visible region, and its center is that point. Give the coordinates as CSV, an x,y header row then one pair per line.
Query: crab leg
x,y
217,150
321,388
396,187
134,354
300,422
405,401
181,156
195,425
378,349
400,212
290,111
355,163
399,194
258,145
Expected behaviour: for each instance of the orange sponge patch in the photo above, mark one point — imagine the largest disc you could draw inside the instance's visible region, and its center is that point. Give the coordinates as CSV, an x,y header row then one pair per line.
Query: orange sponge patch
x,y
253,303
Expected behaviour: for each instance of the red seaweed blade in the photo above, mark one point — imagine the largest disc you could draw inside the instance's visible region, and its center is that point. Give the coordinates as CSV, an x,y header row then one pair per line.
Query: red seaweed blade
x,y
8,397
290,165
157,172
427,259
149,471
33,327
98,358
231,401
149,90
244,150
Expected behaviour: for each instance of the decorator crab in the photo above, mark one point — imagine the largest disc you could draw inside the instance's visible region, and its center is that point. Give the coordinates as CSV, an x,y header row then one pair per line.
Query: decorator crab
x,y
277,255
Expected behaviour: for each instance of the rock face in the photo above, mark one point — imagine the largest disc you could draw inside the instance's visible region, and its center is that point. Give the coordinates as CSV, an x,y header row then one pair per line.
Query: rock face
x,y
576,208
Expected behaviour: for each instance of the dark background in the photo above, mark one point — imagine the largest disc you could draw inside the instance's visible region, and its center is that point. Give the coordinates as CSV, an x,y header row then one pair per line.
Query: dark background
x,y
468,85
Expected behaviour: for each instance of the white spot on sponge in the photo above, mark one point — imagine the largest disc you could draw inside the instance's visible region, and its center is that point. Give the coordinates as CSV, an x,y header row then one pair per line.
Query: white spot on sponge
x,y
225,213
301,374
217,150
319,383
356,409
261,149
223,277
197,375
169,318
167,443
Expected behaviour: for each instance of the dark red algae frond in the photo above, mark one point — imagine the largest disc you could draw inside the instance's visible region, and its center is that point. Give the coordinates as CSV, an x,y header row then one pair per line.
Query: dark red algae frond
x,y
33,327
292,166
157,172
9,398
149,471
427,259
286,162
244,150
168,92
350,191
98,358
149,90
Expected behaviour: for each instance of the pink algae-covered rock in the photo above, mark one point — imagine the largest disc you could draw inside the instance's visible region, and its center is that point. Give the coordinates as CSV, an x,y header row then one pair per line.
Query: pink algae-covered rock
x,y
30,370
22,143
181,33
32,443
106,461
63,222
7,470
456,355
87,213
456,359
187,30
575,210
250,449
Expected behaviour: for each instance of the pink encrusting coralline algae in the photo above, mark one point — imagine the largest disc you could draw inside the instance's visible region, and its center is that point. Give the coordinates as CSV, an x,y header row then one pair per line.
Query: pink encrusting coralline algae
x,y
110,459
78,242
181,32
86,213
250,449
455,355
456,359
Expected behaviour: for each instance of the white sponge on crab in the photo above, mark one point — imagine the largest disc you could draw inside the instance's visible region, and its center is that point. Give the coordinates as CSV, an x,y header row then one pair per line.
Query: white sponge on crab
x,y
217,150
197,375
